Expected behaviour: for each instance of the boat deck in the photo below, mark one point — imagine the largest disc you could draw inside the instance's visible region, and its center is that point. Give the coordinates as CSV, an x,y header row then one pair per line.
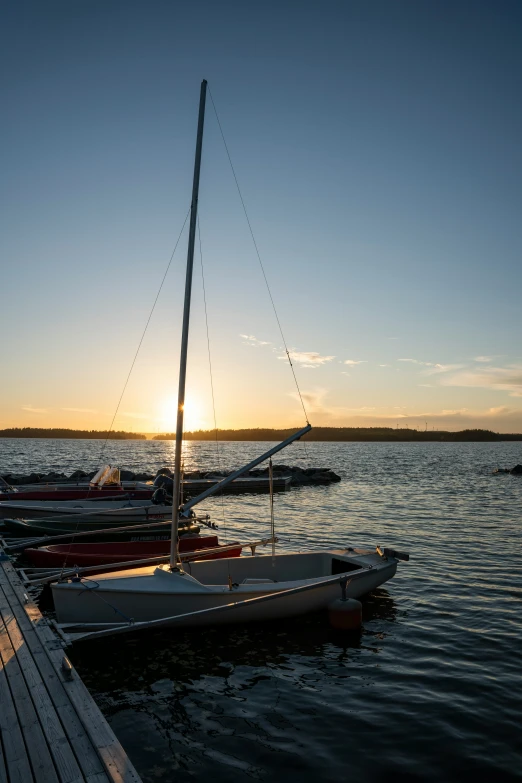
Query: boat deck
x,y
51,730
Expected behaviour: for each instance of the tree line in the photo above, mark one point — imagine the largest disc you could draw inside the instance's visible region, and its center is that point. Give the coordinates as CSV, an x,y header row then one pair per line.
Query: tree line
x,y
346,434
39,432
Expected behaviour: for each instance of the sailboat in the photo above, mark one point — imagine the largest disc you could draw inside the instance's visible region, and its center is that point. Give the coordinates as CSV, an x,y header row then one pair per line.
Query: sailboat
x,y
257,587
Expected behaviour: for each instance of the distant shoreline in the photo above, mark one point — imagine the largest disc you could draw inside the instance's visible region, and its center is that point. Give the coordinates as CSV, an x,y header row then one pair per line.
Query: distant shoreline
x,y
350,434
318,434
53,433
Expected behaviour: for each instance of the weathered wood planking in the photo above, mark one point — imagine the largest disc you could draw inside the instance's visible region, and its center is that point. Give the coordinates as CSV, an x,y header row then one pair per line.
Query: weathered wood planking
x,y
56,732
52,734
76,734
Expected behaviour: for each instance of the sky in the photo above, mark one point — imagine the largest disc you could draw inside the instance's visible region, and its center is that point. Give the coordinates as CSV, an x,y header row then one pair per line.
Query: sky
x,y
377,147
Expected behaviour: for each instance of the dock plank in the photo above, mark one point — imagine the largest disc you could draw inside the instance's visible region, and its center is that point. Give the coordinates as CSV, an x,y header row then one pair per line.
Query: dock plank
x,y
37,747
67,694
3,771
15,753
61,752
90,761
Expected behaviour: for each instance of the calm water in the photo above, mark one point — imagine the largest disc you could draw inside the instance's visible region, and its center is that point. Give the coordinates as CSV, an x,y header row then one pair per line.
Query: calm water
x,y
431,688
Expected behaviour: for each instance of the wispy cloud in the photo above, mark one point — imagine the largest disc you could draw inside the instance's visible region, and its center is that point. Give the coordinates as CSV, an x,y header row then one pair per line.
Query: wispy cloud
x,y
323,413
32,409
80,410
483,358
422,364
352,362
308,358
433,367
507,379
384,365
440,368
249,339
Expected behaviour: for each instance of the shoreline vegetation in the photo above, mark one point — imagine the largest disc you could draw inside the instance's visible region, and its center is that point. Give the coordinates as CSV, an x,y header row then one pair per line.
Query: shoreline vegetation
x,y
346,434
324,434
58,433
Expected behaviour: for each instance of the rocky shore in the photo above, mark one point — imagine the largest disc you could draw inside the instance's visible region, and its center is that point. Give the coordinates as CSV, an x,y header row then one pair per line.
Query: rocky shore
x,y
299,476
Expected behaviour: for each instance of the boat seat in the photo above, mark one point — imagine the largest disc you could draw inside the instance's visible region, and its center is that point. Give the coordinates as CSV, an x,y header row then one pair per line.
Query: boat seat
x,y
250,580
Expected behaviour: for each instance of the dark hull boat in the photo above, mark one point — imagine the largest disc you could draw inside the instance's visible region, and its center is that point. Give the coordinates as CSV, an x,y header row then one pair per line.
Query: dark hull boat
x,y
27,528
94,554
53,494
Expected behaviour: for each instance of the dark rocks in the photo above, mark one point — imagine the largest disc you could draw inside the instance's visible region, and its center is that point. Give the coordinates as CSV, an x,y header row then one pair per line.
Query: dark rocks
x,y
32,478
77,475
299,476
516,471
164,472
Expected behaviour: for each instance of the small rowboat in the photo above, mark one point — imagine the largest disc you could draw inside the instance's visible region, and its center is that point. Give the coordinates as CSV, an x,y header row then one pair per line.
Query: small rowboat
x,y
92,554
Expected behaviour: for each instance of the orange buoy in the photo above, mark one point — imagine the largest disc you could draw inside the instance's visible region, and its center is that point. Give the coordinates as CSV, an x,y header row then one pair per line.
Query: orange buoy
x,y
345,614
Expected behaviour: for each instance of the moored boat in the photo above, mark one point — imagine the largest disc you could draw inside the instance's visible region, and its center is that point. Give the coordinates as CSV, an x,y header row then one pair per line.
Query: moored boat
x,y
263,587
112,552
28,528
101,512
151,593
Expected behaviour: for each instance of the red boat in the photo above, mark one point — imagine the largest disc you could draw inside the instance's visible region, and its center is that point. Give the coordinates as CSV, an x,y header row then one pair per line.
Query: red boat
x,y
105,484
102,553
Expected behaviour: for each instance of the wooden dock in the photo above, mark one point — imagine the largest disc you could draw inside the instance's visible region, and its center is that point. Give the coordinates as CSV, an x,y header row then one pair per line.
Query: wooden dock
x,y
51,730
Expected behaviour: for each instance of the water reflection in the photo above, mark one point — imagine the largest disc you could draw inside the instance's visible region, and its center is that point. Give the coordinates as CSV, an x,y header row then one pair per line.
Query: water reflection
x,y
223,700
429,680
184,656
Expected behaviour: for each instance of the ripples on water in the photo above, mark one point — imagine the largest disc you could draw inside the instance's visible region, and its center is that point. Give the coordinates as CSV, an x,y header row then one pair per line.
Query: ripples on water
x,y
430,690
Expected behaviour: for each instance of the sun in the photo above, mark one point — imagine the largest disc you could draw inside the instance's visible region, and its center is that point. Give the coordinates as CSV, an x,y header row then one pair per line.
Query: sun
x,y
192,419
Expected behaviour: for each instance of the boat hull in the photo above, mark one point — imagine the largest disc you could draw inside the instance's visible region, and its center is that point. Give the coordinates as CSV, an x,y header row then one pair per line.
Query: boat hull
x,y
109,553
26,528
99,512
151,596
52,494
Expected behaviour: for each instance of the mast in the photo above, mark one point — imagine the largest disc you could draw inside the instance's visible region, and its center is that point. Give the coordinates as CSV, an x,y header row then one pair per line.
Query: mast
x,y
185,331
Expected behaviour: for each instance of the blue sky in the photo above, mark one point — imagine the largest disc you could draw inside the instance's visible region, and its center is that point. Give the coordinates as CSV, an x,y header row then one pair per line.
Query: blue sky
x,y
377,145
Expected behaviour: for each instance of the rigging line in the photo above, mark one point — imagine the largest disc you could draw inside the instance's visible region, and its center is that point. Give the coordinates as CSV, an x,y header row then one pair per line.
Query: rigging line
x,y
143,335
210,372
259,258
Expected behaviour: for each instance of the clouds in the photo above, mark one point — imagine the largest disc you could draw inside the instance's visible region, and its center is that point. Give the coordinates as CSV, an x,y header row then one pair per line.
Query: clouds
x,y
416,361
32,409
80,410
325,413
433,367
351,362
507,379
310,359
249,339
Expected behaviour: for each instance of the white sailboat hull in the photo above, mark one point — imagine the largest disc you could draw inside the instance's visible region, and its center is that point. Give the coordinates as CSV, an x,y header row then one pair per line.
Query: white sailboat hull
x,y
151,594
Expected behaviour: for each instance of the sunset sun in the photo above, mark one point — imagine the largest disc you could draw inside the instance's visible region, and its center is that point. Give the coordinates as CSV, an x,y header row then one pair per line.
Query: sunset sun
x,y
193,415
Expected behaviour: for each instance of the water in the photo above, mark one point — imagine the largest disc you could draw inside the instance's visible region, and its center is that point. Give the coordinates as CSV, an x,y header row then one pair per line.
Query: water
x,y
430,690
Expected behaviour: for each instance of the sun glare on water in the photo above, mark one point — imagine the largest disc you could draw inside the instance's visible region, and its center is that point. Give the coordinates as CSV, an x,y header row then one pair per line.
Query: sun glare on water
x,y
193,415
